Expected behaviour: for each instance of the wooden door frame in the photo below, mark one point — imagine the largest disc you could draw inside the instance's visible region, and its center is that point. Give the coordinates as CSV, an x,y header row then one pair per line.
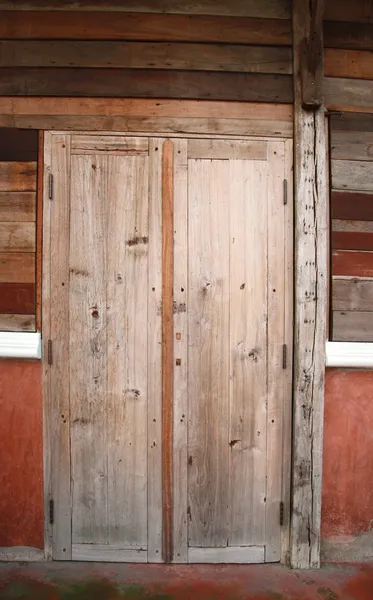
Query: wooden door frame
x,y
46,324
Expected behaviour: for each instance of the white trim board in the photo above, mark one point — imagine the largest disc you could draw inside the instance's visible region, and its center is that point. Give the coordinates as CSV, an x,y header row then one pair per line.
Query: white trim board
x,y
20,344
349,354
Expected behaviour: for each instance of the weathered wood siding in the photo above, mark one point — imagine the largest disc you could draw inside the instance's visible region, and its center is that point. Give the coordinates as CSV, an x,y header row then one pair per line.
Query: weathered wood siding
x,y
18,160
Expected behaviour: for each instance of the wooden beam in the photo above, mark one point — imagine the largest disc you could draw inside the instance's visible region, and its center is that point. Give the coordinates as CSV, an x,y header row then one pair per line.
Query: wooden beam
x,y
311,203
311,63
167,345
39,228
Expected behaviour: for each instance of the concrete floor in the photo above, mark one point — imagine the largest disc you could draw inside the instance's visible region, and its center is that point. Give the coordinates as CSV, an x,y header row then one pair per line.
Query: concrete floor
x,y
97,581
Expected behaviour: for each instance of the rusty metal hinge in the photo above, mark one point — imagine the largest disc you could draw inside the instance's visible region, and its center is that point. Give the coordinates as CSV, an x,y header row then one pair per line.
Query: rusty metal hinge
x,y
284,356
50,352
282,512
50,186
285,191
51,512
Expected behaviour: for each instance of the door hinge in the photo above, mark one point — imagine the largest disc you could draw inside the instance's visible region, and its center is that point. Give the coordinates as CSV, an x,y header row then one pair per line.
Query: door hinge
x,y
284,356
285,191
51,512
50,353
282,512
50,186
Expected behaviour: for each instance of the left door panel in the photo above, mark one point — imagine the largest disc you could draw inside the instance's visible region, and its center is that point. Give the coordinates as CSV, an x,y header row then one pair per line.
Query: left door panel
x,y
105,287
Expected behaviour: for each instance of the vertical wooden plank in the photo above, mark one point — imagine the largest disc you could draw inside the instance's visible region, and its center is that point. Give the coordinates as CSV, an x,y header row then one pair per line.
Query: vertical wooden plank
x,y
46,368
208,360
276,371
88,348
288,340
248,194
180,460
126,278
310,307
39,227
155,353
167,343
59,334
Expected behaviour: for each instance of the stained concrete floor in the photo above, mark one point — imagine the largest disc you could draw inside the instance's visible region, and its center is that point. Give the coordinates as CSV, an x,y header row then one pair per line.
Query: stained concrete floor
x,y
97,581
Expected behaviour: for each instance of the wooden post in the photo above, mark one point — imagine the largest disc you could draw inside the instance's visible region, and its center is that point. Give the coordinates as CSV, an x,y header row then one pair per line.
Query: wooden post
x,y
311,255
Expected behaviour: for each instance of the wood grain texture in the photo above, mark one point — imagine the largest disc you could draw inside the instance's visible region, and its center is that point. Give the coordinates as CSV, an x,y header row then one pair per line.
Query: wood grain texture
x,y
57,227
352,175
310,284
348,92
352,205
208,363
279,9
355,64
145,55
18,176
154,354
144,27
352,326
97,144
17,206
17,298
350,35
167,346
18,145
352,294
39,229
350,240
248,344
13,322
17,268
145,83
180,371
351,145
105,553
352,263
17,237
235,555
225,149
352,226
352,122
344,10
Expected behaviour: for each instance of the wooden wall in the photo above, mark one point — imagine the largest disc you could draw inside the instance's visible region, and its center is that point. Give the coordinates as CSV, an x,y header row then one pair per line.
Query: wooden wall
x,y
18,161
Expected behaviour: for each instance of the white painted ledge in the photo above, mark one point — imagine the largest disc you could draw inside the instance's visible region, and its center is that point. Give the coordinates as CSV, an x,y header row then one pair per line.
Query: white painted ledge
x,y
19,344
349,354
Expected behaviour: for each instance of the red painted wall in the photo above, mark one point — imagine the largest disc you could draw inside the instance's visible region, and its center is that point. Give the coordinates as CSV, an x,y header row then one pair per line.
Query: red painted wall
x,y
21,446
348,453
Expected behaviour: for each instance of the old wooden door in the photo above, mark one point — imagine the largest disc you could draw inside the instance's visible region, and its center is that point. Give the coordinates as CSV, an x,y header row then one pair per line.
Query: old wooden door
x,y
167,384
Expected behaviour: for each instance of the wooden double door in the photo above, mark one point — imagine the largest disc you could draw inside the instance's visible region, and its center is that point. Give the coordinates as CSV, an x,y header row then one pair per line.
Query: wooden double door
x,y
167,339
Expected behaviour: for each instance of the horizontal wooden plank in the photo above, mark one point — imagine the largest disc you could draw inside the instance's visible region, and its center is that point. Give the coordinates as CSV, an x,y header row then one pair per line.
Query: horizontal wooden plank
x,y
354,175
109,144
348,92
17,206
278,9
346,10
17,298
352,226
145,27
352,206
352,326
225,149
349,121
158,125
105,553
17,322
351,263
18,145
17,176
356,64
355,36
352,145
352,294
143,55
135,83
17,268
230,554
349,240
148,107
17,237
